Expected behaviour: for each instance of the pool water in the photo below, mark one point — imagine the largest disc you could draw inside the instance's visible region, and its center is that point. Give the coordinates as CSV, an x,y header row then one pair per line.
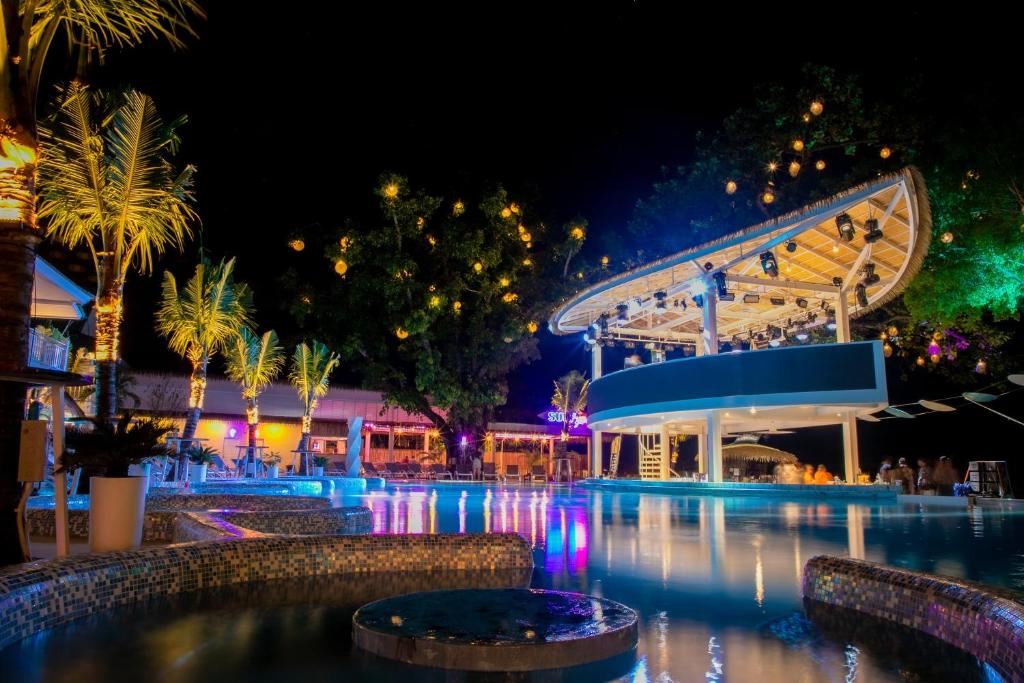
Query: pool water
x,y
716,582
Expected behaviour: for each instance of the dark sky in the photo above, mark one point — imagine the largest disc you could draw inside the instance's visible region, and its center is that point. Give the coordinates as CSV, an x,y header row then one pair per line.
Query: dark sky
x,y
296,109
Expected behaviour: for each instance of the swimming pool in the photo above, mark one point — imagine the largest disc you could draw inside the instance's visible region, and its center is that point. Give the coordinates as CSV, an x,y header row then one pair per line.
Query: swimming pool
x,y
716,582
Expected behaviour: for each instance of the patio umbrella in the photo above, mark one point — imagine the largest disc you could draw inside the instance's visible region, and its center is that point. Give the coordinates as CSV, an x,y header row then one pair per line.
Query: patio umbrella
x,y
737,453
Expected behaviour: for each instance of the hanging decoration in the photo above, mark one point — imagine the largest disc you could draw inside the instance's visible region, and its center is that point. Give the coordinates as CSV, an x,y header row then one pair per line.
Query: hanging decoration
x,y
401,333
341,267
458,208
817,107
297,244
730,187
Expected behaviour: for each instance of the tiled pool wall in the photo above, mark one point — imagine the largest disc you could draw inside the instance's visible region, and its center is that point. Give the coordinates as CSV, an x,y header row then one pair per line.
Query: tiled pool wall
x,y
986,622
873,492
41,595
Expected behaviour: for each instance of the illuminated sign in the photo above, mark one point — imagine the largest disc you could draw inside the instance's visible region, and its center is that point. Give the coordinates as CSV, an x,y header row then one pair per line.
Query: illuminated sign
x,y
575,421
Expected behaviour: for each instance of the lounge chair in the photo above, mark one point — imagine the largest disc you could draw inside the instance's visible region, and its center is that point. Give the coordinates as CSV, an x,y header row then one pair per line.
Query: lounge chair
x,y
488,472
537,473
464,469
437,471
512,472
370,470
415,471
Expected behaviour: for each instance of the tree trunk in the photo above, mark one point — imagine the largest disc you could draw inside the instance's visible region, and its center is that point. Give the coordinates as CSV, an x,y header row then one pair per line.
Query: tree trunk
x,y
252,416
18,240
196,396
108,332
307,423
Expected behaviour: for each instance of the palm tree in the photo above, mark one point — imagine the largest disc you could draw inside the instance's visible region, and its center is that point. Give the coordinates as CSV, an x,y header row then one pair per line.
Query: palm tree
x,y
570,397
311,370
27,30
106,181
253,362
199,321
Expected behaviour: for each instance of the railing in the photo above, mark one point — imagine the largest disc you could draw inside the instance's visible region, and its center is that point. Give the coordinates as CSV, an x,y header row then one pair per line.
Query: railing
x,y
46,353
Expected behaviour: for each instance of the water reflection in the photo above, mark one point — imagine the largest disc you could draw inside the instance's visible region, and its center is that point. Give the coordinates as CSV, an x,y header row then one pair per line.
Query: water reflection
x,y
707,573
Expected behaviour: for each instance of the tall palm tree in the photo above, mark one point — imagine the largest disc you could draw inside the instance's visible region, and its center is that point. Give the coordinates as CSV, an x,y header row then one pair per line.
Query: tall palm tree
x,y
312,365
254,362
199,321
570,397
106,181
27,30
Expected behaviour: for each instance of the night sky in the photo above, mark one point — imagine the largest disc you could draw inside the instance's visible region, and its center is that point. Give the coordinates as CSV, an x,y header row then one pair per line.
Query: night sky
x,y
295,110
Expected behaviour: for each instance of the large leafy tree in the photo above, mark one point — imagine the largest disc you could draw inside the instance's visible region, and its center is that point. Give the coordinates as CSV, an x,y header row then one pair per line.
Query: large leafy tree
x,y
28,28
107,182
798,143
200,320
441,299
310,374
254,362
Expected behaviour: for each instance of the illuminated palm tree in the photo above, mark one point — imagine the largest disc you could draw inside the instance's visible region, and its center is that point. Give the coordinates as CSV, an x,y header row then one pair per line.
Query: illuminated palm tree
x,y
254,362
570,397
27,30
199,321
312,365
106,181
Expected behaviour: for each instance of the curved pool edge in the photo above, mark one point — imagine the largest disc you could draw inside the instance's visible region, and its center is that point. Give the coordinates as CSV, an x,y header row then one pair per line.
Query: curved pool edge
x,y
873,492
985,621
40,595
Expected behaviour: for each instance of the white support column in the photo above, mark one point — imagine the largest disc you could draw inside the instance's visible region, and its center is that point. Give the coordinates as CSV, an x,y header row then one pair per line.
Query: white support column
x,y
60,486
710,312
596,438
713,436
666,453
851,448
391,443
842,318
702,451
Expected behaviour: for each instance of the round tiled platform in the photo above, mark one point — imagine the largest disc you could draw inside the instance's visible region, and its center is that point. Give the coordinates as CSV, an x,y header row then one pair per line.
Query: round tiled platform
x,y
495,630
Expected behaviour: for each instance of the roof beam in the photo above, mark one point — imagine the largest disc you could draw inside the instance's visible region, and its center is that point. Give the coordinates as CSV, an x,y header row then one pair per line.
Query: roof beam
x,y
783,284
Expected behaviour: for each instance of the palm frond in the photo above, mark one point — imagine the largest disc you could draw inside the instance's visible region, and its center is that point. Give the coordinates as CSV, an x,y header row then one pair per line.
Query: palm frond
x,y
118,22
254,362
312,365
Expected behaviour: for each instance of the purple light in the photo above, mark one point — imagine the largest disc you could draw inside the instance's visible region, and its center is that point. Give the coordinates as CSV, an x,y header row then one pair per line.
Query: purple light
x,y
232,433
463,441
933,349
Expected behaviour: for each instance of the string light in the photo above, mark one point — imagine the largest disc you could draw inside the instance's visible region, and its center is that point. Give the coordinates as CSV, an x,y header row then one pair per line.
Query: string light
x,y
768,196
730,187
886,349
773,166
798,145
527,262
435,301
531,326
478,266
604,261
820,164
345,242
509,297
457,305
579,275
893,330
577,233
920,361
885,152
341,267
391,190
947,237
431,240
514,208
981,367
458,208
794,168
935,357
817,107
297,244
526,237
504,281
401,333
806,117
506,212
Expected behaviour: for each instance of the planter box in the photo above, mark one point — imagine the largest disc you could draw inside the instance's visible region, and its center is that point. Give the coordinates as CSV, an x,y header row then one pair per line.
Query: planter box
x,y
197,473
117,507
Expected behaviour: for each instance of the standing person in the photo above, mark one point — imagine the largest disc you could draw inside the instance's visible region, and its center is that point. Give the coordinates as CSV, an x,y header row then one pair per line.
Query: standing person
x,y
905,475
478,467
808,474
884,470
925,480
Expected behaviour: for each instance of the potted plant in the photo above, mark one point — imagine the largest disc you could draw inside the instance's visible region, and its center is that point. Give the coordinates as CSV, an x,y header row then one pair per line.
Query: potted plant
x,y
144,469
272,462
117,501
199,459
319,463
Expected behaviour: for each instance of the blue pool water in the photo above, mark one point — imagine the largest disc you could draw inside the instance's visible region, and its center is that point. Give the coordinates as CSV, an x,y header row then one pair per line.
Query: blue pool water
x,y
716,581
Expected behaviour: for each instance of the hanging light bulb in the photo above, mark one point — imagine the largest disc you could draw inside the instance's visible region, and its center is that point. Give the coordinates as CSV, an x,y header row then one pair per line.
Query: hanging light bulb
x,y
506,212
935,358
605,261
526,237
794,169
920,361
798,145
297,244
340,267
531,327
458,208
806,117
457,306
820,164
893,330
886,349
947,237
401,333
768,196
477,267
885,152
730,187
817,107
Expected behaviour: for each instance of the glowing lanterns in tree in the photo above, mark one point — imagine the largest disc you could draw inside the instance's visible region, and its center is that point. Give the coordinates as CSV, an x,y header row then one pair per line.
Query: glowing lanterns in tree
x,y
604,261
768,196
893,330
730,187
935,357
526,237
504,281
817,107
806,117
514,208
885,152
509,297
920,361
345,243
947,237
820,164
420,222
401,333
798,145
506,212
794,169
435,301
297,244
458,208
579,275
887,349
391,190
773,166
341,267
431,240
477,267
527,262
531,327
457,306
577,233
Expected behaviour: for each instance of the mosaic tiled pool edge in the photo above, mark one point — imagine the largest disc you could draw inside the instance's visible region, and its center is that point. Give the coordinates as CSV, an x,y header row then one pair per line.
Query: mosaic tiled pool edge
x,y
983,621
44,594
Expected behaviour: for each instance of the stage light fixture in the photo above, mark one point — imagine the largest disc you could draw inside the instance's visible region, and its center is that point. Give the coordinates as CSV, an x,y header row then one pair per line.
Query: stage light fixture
x,y
699,300
719,279
870,276
623,311
777,301
844,224
837,281
861,293
751,298
791,246
768,264
872,233
801,302
659,298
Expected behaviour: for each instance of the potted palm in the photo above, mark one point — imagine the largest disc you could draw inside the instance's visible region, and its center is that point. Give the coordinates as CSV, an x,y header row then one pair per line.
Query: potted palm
x,y
117,501
273,464
319,463
199,460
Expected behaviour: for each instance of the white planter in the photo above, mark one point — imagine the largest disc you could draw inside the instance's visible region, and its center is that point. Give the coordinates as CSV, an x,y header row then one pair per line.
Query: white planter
x,y
318,471
197,473
145,470
272,471
117,508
